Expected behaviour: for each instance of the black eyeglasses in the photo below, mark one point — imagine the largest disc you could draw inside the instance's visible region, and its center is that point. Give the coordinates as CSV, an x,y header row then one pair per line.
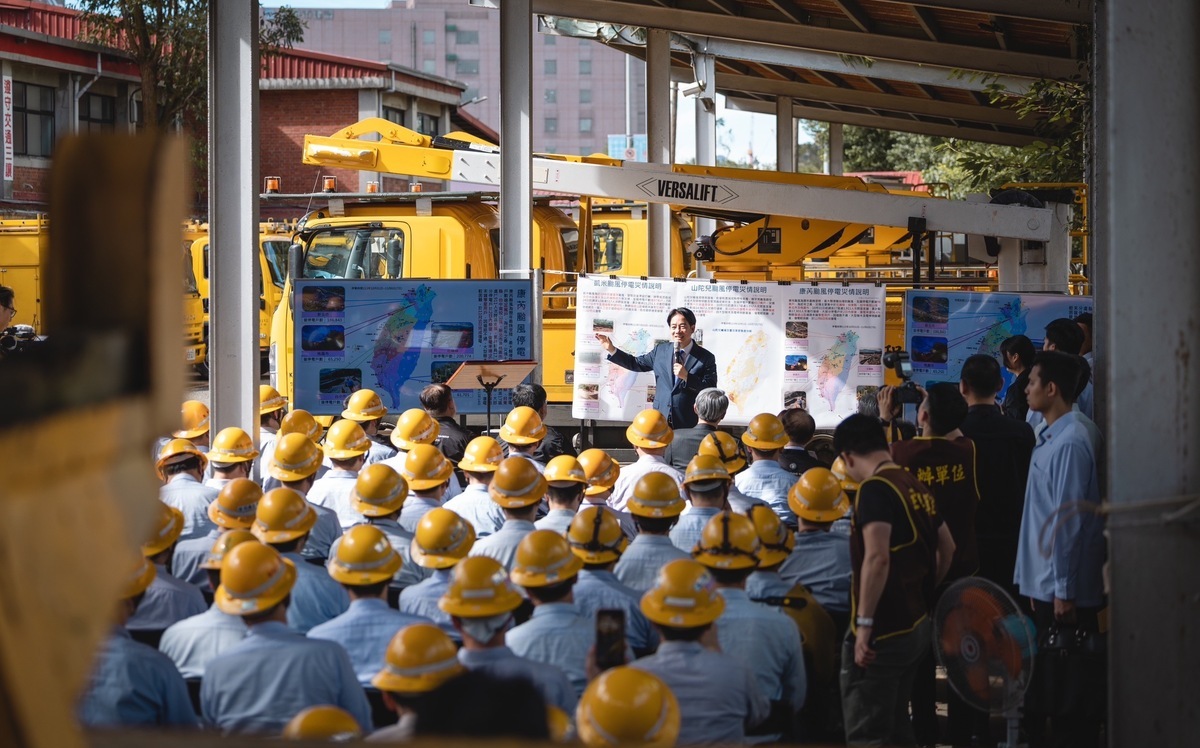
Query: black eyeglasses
x,y
12,309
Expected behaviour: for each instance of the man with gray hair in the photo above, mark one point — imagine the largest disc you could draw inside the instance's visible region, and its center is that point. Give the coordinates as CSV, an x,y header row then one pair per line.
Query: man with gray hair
x,y
710,406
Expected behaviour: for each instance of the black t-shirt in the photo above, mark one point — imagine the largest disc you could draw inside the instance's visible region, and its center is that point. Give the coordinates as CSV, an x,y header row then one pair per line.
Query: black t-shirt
x,y
798,460
894,496
947,468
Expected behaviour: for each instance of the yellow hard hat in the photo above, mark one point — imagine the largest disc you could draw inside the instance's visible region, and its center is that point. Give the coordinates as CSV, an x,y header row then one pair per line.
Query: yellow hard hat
x,y
425,467
656,495
282,515
178,450
364,556
300,422
235,504
168,526
776,540
378,491
595,535
627,706
296,457
269,400
140,577
323,722
818,496
482,455
725,448
364,405
442,539
559,724
413,427
728,541
649,430
765,431
231,445
419,658
523,426
565,469
838,468
195,420
254,578
544,558
517,483
600,470
703,468
480,588
683,596
345,441
223,545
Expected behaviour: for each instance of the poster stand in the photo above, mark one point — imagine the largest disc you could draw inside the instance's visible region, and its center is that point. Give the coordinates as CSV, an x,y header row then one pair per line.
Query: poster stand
x,y
487,375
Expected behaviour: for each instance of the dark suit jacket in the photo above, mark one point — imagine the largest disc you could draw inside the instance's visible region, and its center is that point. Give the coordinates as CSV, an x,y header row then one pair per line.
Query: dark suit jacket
x,y
686,445
672,397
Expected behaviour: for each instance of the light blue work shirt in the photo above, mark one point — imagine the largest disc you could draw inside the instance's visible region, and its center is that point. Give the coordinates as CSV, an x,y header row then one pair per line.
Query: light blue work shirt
x,y
502,544
189,554
1084,404
514,453
416,507
266,449
501,662
272,675
717,694
821,562
332,491
1062,493
477,508
768,642
365,630
556,520
133,685
639,565
379,452
762,584
191,497
194,641
316,597
595,590
740,503
401,540
622,490
769,481
557,634
323,535
167,600
422,600
269,481
625,518
686,532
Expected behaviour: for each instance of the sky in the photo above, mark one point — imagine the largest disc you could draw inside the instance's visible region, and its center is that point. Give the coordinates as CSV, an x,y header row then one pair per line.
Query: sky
x,y
743,132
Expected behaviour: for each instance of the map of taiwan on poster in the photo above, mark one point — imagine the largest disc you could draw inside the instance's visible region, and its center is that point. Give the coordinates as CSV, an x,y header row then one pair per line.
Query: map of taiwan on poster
x,y
395,337
815,347
944,328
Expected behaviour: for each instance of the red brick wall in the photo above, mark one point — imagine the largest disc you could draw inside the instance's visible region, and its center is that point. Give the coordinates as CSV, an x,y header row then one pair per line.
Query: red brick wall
x,y
31,183
285,117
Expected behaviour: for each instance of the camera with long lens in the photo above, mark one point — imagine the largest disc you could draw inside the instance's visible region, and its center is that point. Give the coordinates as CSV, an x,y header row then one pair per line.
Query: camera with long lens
x,y
18,339
906,393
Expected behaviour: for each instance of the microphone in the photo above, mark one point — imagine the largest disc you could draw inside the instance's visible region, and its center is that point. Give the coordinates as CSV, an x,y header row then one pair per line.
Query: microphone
x,y
675,351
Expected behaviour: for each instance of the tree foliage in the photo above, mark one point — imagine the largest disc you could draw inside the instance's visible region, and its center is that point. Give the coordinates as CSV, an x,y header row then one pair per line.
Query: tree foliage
x,y
168,40
1060,111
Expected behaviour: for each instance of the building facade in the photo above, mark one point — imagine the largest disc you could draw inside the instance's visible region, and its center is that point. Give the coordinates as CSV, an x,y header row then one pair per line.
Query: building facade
x,y
580,87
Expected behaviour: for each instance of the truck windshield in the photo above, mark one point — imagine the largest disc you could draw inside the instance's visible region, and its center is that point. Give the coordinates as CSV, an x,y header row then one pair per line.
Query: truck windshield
x,y
355,253
189,275
276,252
608,246
685,238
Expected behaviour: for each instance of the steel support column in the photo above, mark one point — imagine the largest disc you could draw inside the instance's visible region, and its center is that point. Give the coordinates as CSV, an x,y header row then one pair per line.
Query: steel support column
x,y
836,149
658,136
233,351
785,135
1149,328
516,144
706,155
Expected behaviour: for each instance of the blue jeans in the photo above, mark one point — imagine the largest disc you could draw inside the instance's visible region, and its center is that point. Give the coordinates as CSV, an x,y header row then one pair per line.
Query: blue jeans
x,y
875,698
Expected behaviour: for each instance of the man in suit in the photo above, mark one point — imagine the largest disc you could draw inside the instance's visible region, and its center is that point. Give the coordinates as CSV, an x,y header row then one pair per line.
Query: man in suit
x,y
681,368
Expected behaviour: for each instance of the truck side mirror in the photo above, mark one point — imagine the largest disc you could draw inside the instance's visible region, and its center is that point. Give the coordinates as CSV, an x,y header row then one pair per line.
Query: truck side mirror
x,y
295,257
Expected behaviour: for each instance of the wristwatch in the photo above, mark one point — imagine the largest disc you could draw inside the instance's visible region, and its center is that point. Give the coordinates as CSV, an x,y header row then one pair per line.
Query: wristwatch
x,y
864,622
